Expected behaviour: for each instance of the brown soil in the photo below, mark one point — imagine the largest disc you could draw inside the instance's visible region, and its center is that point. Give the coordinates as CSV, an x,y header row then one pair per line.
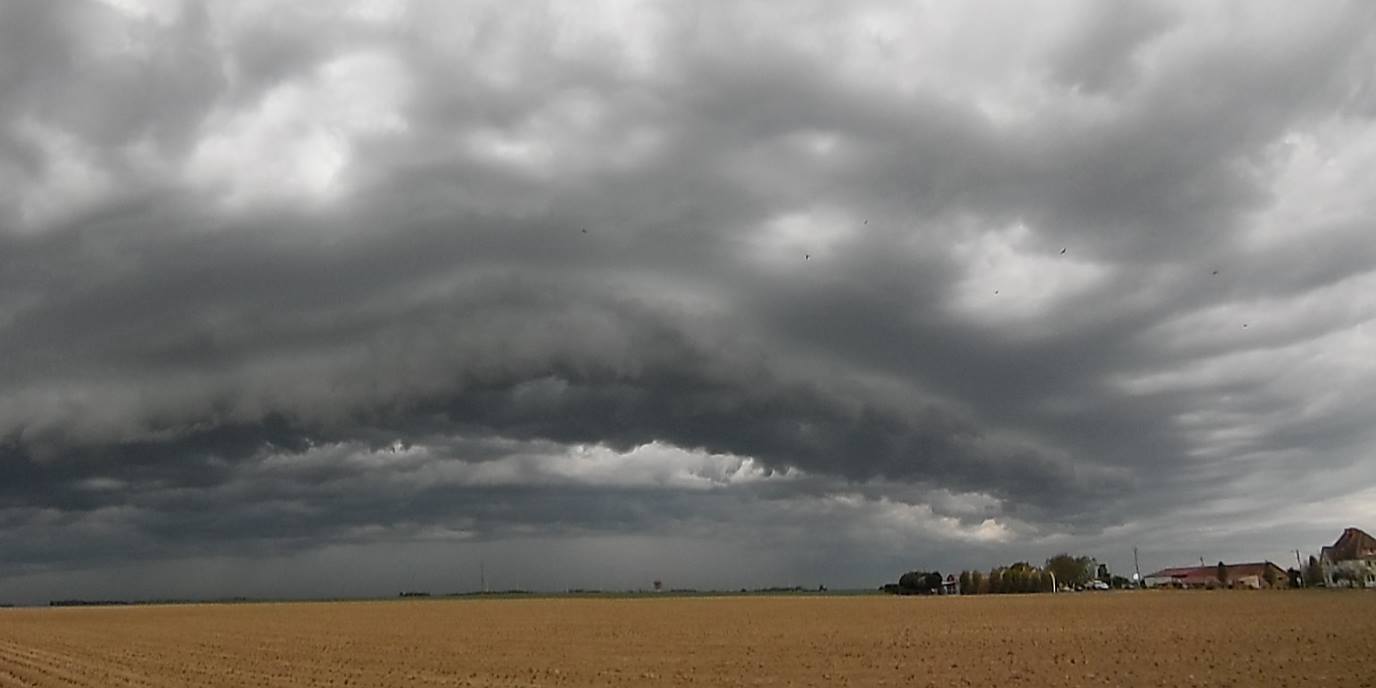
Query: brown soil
x,y
1109,639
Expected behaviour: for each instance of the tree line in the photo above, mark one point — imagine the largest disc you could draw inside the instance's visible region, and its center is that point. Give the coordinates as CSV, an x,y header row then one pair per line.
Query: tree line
x,y
1062,570
1021,577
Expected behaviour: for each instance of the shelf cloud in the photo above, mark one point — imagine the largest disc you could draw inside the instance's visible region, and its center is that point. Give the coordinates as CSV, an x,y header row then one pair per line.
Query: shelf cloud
x,y
810,291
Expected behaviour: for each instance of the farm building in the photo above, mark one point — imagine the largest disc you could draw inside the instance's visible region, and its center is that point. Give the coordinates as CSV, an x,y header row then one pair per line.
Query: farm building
x,y
950,586
1256,576
1351,561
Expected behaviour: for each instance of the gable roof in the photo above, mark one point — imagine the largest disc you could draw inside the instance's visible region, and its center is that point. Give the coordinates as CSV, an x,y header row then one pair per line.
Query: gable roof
x,y
1177,572
1354,543
1192,574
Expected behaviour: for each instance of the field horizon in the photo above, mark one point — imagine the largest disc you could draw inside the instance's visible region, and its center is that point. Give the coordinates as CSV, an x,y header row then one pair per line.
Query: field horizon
x,y
474,595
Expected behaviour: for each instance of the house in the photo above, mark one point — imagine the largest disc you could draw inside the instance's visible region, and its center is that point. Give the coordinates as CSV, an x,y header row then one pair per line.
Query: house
x,y
1255,576
950,586
1350,562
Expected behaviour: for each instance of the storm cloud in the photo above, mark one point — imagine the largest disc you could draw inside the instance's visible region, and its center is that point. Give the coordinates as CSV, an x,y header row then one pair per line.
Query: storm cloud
x,y
809,291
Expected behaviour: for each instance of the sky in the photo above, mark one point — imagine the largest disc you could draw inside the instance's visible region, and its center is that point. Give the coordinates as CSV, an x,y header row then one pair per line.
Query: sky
x,y
346,298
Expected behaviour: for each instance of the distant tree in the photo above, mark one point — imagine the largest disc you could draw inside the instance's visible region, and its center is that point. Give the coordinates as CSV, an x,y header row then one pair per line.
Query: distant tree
x,y
965,583
932,581
1120,583
1103,574
1295,577
1313,573
1070,571
1016,577
1222,574
995,581
977,583
1013,580
912,581
919,582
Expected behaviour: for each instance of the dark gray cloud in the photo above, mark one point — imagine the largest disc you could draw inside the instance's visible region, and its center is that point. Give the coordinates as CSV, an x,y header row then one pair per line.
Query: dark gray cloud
x,y
843,287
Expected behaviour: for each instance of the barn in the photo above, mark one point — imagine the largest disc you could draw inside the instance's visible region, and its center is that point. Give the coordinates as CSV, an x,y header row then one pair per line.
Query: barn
x,y
1256,575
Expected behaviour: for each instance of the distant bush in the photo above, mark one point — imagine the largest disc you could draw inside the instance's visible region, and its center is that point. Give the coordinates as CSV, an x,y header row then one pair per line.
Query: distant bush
x,y
917,583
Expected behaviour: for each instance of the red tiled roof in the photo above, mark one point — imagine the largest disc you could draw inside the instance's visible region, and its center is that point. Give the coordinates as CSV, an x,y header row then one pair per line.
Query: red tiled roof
x,y
1352,544
1204,574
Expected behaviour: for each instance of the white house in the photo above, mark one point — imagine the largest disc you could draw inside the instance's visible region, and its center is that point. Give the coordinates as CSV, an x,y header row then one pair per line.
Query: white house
x,y
1350,562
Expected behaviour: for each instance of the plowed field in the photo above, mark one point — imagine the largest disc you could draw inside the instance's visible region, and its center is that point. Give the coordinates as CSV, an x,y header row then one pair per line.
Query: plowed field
x,y
1110,639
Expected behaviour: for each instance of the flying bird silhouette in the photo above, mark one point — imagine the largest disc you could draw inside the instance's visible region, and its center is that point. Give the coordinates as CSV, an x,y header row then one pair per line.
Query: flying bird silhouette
x,y
1062,251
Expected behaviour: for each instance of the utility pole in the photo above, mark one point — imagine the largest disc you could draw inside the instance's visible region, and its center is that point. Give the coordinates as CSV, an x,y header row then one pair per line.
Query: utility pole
x,y
1135,565
1299,567
482,575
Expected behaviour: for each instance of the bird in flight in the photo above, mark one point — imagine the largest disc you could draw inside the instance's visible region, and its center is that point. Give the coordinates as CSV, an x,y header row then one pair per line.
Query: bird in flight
x,y
1062,251
1215,272
807,256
